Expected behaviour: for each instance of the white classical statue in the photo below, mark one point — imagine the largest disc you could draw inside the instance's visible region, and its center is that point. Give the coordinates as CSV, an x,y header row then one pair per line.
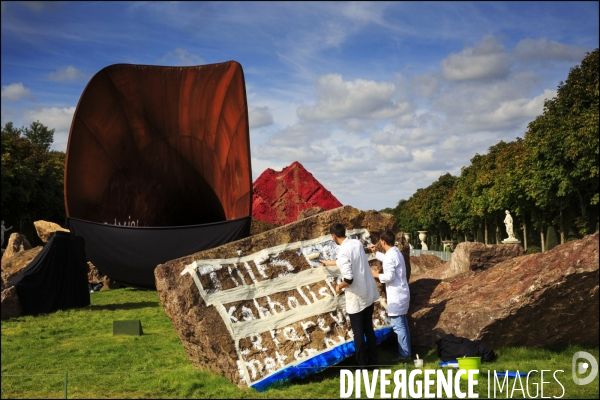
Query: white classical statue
x,y
508,221
4,229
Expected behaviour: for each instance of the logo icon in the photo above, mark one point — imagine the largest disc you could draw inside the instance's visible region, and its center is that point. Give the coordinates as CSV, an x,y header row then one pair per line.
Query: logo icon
x,y
581,368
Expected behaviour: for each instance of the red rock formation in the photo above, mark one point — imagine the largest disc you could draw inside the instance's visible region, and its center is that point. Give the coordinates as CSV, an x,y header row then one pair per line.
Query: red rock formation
x,y
278,197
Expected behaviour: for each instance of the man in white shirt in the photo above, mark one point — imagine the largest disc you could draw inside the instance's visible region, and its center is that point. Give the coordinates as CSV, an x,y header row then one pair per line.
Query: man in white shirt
x,y
361,293
398,294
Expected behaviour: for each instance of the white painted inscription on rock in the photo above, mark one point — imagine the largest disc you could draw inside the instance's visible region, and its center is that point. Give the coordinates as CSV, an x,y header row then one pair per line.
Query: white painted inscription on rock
x,y
279,304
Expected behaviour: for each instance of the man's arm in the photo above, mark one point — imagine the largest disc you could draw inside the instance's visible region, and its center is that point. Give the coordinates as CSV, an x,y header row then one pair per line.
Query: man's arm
x,y
342,285
345,264
388,271
327,262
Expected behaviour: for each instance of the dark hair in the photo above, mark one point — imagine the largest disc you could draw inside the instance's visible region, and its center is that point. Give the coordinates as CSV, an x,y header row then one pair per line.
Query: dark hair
x,y
338,230
388,237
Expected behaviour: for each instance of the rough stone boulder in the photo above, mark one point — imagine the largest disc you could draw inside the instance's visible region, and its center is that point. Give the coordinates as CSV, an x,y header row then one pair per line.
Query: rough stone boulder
x,y
425,263
278,197
257,226
15,264
9,303
46,229
94,275
473,256
12,266
261,305
16,243
535,300
309,212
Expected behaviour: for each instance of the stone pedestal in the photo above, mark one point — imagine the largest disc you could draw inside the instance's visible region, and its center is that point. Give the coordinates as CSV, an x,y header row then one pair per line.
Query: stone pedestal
x,y
511,241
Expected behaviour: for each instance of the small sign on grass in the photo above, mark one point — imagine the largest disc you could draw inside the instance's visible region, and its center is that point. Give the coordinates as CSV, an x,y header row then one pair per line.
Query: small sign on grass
x,y
128,327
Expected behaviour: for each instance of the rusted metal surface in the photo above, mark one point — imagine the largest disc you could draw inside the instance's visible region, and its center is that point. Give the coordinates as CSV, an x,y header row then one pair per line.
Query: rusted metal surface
x,y
160,146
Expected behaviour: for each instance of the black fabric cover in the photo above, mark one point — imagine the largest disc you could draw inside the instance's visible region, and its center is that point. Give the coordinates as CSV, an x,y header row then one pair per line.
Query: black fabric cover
x,y
451,347
56,279
129,254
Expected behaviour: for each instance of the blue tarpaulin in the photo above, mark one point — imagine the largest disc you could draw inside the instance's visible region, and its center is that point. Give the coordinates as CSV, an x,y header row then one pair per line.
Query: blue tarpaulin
x,y
316,363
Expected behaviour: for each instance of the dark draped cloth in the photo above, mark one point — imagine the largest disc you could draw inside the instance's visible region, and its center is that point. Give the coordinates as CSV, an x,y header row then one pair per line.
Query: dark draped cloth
x,y
56,279
129,254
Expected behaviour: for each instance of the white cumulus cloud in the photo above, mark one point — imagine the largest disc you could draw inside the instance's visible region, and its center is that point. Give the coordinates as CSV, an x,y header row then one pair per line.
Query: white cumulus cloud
x,y
16,92
393,154
298,135
55,118
338,99
289,154
67,74
259,116
487,60
519,109
544,49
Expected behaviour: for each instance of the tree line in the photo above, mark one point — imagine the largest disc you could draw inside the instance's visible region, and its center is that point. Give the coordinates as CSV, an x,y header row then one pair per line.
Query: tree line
x,y
32,179
547,179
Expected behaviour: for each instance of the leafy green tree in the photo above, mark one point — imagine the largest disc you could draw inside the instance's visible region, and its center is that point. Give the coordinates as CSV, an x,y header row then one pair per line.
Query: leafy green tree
x,y
406,219
461,215
31,178
39,134
546,178
427,209
564,147
435,205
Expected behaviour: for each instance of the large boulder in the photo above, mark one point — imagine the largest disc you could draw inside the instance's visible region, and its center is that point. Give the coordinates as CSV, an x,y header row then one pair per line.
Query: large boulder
x,y
274,325
309,212
475,256
9,304
95,276
541,299
257,226
278,197
425,263
16,243
15,264
45,229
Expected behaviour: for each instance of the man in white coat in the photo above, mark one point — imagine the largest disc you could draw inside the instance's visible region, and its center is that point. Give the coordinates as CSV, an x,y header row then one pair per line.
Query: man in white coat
x,y
361,293
398,294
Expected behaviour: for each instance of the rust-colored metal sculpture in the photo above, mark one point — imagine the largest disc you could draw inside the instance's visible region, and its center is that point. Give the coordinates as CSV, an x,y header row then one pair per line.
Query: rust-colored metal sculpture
x,y
154,146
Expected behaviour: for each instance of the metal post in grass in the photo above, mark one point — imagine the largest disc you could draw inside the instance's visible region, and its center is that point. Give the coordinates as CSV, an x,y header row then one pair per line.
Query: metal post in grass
x,y
66,380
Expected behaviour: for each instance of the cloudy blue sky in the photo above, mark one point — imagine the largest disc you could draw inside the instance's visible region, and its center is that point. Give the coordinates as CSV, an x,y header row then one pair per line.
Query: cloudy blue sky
x,y
375,99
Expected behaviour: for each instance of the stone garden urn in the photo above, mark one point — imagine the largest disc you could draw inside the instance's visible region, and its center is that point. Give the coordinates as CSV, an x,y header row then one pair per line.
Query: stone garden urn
x,y
422,237
446,244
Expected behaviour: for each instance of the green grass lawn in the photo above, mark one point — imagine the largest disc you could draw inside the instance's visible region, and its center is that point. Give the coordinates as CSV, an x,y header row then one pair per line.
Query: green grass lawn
x,y
38,351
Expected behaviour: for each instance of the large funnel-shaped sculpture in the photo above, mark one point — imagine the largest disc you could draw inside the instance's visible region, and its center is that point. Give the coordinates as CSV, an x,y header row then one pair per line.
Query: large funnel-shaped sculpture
x,y
158,165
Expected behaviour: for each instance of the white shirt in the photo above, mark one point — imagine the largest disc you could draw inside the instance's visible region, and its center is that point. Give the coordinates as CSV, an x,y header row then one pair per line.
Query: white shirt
x,y
394,277
353,264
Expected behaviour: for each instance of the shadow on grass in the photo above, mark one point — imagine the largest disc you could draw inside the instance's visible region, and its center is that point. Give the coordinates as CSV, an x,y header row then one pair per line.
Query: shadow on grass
x,y
562,347
124,306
